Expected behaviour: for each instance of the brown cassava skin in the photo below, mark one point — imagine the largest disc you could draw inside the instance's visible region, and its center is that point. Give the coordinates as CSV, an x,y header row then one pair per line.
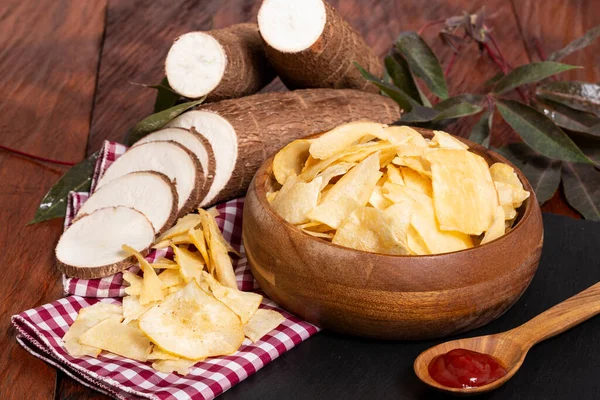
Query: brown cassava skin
x,y
266,122
247,69
328,63
209,175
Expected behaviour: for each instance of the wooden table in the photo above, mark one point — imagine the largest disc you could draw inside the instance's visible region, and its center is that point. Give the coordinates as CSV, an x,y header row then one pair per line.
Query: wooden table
x,y
66,69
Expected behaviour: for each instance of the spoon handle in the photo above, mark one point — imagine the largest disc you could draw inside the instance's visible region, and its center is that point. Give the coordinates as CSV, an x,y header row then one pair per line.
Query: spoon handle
x,y
561,317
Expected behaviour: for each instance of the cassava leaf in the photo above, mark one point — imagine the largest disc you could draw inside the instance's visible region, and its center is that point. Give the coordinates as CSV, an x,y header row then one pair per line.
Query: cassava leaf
x,y
420,114
405,102
397,68
458,106
78,178
588,38
530,73
493,80
165,96
158,120
542,172
539,132
568,118
481,131
590,147
578,95
582,189
423,62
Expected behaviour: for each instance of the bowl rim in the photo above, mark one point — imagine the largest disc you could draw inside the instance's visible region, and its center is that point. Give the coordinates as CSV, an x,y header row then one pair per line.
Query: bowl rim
x,y
266,170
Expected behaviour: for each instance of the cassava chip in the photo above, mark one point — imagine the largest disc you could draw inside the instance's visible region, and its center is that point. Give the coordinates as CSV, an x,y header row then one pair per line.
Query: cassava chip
x,y
124,340
170,277
342,137
177,239
497,229
151,286
394,175
404,135
262,322
208,220
419,164
190,264
444,140
86,319
135,283
334,170
378,200
192,324
506,197
183,225
244,304
504,173
159,354
290,160
220,264
416,181
132,308
463,191
164,263
369,229
352,190
198,240
295,203
181,366
272,195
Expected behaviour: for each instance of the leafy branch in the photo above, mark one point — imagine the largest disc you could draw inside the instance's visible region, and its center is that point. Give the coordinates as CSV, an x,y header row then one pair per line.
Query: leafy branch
x,y
551,116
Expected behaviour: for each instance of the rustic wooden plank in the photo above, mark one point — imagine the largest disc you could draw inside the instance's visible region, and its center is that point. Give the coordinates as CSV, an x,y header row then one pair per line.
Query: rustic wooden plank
x,y
48,62
551,25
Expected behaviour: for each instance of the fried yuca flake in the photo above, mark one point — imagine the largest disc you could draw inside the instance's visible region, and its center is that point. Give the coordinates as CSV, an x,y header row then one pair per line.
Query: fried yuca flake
x,y
289,161
151,289
463,191
338,139
86,319
297,198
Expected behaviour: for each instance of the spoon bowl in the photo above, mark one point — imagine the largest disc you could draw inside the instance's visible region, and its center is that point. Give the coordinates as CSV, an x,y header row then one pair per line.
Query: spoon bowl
x,y
510,348
509,353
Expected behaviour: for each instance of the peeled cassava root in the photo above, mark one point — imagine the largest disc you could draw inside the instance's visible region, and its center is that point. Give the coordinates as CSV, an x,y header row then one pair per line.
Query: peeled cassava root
x,y
149,192
178,163
221,64
243,133
311,46
92,246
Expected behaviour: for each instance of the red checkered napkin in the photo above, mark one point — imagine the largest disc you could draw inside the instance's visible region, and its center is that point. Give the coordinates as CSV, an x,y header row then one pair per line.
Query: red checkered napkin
x,y
41,329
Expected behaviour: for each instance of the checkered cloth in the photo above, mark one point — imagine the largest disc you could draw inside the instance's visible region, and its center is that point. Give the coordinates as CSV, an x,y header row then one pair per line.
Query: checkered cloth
x,y
40,330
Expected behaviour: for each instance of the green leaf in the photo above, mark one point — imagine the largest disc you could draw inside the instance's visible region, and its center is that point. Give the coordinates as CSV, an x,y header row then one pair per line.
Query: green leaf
x,y
420,114
590,147
165,96
568,118
578,95
158,120
582,189
494,79
458,106
399,72
423,62
539,132
481,131
78,178
530,73
405,102
588,38
542,172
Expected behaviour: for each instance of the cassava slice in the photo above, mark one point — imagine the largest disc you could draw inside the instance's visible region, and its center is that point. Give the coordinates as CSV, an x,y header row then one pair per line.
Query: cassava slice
x,y
244,132
169,158
221,64
310,46
92,246
151,193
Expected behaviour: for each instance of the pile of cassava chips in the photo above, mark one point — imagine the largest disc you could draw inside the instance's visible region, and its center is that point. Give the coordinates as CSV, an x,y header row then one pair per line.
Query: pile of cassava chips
x,y
389,190
190,310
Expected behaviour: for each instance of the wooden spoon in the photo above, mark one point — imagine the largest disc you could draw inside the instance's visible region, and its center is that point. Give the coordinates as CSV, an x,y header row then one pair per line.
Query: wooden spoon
x,y
511,347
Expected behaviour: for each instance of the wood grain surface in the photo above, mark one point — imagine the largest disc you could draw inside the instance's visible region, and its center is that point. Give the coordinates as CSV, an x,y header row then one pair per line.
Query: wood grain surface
x,y
49,56
48,62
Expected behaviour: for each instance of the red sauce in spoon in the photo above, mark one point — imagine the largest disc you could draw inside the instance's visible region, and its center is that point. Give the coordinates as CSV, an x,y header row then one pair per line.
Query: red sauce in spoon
x,y
461,368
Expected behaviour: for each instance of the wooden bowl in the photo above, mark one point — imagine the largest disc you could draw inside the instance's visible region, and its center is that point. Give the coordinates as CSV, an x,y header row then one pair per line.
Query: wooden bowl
x,y
389,296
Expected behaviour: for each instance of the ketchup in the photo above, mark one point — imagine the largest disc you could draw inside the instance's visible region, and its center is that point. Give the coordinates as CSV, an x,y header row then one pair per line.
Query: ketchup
x,y
461,368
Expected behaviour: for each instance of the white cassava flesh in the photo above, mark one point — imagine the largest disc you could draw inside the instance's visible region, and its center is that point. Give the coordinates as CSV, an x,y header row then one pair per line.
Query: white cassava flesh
x,y
92,246
151,193
310,45
291,26
169,158
244,132
219,64
223,139
182,136
195,64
